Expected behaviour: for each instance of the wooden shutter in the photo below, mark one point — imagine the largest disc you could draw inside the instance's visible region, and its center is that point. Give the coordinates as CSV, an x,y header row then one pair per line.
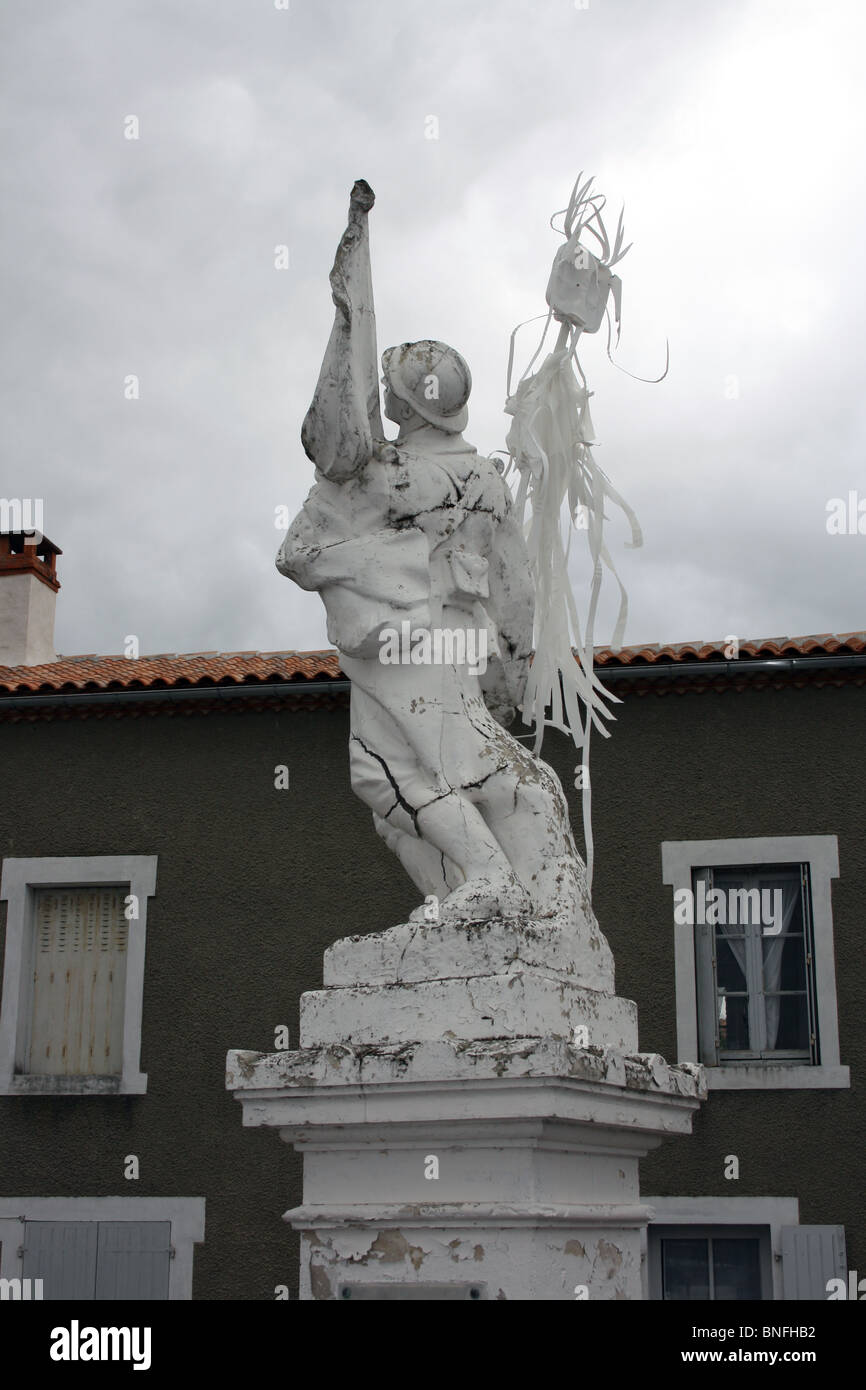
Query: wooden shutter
x,y
705,974
106,1260
63,1255
810,1256
133,1260
79,982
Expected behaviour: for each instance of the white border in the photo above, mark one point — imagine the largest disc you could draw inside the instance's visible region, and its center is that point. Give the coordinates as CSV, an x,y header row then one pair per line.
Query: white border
x,y
19,880
821,853
774,1212
186,1215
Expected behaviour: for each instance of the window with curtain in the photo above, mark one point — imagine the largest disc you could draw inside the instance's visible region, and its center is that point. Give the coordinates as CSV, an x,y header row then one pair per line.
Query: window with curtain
x,y
754,959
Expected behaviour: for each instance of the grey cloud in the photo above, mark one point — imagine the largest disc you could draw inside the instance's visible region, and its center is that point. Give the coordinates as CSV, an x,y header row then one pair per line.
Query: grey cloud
x,y
156,257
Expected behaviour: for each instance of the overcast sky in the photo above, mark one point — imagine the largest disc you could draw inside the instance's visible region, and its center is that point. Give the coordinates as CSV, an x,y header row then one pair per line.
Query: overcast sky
x,y
733,131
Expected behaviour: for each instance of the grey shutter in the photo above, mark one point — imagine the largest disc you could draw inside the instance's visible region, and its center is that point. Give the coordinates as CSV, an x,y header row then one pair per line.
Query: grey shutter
x,y
705,972
79,980
133,1260
63,1255
708,1004
810,1256
809,942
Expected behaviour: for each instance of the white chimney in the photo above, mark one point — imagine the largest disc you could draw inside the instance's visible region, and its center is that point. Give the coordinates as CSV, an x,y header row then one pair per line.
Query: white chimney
x,y
28,593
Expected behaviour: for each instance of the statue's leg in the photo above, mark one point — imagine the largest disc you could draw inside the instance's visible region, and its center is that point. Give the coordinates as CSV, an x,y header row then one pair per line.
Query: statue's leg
x,y
409,747
427,867
491,888
521,800
527,811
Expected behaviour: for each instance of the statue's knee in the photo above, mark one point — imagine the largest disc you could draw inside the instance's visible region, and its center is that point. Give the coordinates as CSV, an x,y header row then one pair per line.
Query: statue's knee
x,y
396,827
543,795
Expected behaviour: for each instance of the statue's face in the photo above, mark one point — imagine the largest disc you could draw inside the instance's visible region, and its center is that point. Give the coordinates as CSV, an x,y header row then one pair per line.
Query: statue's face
x,y
393,409
400,412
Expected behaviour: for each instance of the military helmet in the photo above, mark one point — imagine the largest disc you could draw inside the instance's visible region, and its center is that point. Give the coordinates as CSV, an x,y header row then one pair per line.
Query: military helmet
x,y
432,378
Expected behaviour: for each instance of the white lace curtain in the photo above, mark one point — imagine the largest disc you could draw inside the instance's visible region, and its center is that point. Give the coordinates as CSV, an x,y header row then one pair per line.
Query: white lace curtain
x,y
773,946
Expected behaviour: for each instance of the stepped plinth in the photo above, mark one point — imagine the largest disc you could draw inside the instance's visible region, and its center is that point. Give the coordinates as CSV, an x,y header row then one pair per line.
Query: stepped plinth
x,y
474,1133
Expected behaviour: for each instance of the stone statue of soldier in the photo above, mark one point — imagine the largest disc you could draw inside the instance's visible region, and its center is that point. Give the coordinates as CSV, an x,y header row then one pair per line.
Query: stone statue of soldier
x,y
418,535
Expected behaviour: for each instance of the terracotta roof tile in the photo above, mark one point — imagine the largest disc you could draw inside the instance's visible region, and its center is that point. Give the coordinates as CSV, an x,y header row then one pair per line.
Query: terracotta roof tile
x,y
651,654
92,672
167,669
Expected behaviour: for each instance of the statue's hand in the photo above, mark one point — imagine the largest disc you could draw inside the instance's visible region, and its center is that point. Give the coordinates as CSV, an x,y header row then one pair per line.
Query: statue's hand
x,y
362,197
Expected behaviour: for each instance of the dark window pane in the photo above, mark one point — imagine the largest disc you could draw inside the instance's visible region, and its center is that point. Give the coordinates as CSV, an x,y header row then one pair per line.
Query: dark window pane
x,y
733,1023
786,970
736,1269
793,1030
685,1270
730,975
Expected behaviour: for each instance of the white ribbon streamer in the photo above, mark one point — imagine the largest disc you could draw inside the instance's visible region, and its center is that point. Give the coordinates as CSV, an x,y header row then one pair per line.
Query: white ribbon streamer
x,y
550,445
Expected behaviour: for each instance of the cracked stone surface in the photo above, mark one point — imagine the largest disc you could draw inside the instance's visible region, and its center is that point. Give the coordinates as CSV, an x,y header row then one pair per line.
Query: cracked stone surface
x,y
554,1264
434,951
525,1004
342,1064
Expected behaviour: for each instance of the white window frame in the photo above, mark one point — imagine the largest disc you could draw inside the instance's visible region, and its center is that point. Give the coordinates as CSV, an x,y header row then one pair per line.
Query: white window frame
x,y
775,1212
20,880
186,1215
821,853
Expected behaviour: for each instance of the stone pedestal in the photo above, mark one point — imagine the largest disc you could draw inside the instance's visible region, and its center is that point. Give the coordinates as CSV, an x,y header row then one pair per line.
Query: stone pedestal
x,y
471,1114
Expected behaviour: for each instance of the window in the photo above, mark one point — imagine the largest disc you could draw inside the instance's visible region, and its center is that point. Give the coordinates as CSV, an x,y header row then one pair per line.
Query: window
x,y
754,961
704,1249
101,1248
73,978
75,1021
714,1263
754,958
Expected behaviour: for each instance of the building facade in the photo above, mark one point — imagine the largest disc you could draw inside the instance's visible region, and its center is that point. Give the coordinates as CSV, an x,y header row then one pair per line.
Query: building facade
x,y
180,844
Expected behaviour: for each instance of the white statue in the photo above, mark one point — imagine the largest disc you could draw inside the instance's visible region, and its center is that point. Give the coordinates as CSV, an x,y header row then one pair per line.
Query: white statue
x,y
421,564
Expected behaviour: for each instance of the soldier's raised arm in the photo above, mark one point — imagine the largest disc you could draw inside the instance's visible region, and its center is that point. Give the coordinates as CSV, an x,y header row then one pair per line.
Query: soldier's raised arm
x,y
344,419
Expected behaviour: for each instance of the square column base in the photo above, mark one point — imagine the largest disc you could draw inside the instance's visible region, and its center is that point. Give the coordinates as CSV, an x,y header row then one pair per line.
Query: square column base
x,y
498,1169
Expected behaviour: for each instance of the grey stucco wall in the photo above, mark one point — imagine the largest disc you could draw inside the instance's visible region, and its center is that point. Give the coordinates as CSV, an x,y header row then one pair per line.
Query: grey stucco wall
x,y
253,883
706,766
